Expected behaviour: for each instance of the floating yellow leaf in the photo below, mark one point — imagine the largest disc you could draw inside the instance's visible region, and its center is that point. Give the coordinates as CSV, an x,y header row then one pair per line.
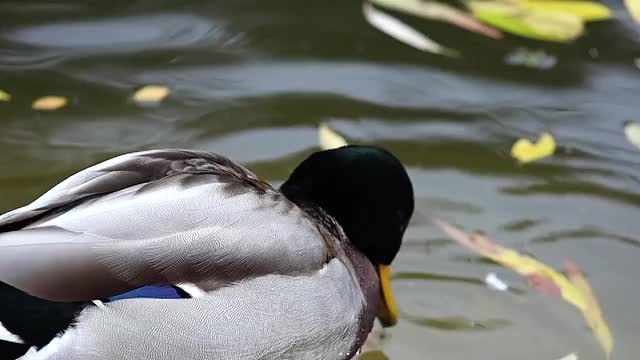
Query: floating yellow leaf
x,y
435,10
4,96
539,275
592,313
585,10
329,139
632,131
49,103
525,151
403,32
633,6
515,18
151,94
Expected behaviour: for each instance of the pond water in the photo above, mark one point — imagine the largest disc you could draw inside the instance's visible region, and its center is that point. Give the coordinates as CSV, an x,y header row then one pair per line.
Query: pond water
x,y
253,79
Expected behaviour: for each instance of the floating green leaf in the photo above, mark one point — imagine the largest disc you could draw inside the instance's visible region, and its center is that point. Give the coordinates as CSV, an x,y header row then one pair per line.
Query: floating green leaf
x,y
585,10
536,24
4,96
441,12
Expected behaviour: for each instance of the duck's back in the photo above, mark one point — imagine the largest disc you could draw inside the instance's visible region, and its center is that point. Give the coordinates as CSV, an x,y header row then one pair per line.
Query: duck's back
x,y
283,288
150,218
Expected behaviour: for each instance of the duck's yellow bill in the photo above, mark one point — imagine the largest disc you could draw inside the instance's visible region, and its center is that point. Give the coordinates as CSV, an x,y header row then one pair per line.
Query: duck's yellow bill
x,y
388,313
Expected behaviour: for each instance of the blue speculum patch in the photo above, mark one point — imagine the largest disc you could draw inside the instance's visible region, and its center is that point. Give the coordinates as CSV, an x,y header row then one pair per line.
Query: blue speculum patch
x,y
150,292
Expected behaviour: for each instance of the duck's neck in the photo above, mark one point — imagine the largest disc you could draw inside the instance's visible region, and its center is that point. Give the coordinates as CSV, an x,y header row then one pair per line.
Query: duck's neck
x,y
319,214
367,278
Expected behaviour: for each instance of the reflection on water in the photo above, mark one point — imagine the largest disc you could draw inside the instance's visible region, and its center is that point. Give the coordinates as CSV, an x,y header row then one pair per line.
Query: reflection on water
x,y
119,34
253,79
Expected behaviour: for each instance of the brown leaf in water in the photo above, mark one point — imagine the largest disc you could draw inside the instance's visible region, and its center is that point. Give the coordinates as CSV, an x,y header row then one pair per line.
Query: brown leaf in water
x,y
540,275
544,284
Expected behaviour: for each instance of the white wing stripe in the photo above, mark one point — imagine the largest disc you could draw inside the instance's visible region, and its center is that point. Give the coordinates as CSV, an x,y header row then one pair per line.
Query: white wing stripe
x,y
8,336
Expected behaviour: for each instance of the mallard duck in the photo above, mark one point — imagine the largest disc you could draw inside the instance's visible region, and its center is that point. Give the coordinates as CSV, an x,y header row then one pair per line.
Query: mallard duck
x,y
179,254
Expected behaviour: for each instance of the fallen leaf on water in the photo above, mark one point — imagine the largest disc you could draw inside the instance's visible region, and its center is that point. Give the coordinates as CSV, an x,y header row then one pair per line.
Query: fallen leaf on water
x,y
544,284
526,151
514,18
572,356
4,96
403,32
49,103
592,313
151,94
523,264
329,139
633,6
585,10
632,132
439,11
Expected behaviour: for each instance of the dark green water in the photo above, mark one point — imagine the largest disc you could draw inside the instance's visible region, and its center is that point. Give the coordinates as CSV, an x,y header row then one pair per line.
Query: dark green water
x,y
252,79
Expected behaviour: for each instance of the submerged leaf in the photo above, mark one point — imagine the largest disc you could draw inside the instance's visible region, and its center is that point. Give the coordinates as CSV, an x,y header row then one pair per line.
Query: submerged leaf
x,y
526,151
593,313
514,18
585,10
633,6
460,323
632,132
439,11
4,96
151,94
49,103
373,355
329,139
403,32
523,264
536,59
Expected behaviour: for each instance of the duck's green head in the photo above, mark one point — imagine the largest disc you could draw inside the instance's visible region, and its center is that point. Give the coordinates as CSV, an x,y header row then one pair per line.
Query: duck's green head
x,y
367,190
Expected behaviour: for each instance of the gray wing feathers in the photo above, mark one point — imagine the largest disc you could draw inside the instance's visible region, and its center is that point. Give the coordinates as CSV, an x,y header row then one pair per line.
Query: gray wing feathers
x,y
162,217
128,170
267,318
